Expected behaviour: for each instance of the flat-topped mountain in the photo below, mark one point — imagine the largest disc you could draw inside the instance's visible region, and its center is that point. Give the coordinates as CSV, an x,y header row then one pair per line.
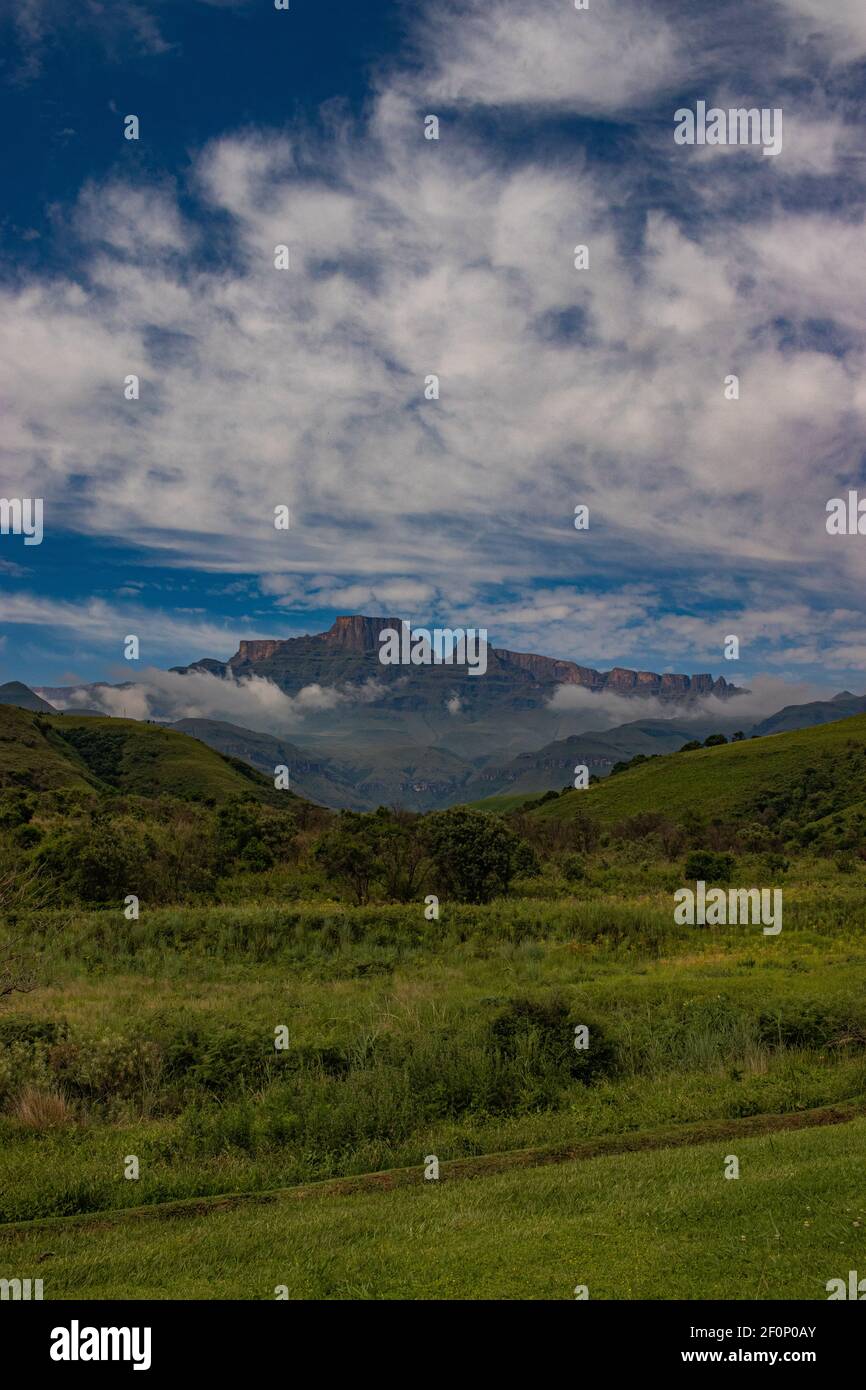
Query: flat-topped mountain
x,y
348,652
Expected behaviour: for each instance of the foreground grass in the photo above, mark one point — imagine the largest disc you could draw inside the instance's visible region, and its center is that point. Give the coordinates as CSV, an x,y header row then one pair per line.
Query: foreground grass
x,y
392,1017
658,1225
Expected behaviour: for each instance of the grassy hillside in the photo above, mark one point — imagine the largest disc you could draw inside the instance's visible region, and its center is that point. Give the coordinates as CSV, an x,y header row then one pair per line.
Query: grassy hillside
x,y
812,773
44,753
34,758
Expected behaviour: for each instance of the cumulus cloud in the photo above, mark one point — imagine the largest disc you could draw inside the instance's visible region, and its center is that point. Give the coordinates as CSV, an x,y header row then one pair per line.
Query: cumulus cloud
x,y
614,55
558,386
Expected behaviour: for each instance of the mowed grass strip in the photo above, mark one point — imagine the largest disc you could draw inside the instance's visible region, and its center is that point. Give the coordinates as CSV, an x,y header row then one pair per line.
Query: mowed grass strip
x,y
480,1166
664,1224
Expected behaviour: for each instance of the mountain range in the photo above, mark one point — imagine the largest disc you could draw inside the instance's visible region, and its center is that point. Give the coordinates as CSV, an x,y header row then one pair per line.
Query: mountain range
x,y
428,736
349,653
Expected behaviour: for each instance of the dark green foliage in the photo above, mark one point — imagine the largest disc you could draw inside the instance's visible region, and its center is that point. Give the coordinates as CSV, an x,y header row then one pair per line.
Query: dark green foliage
x,y
812,1024
99,862
545,1029
475,855
19,1028
252,837
101,748
16,808
350,853
386,850
692,746
573,868
633,762
708,866
714,741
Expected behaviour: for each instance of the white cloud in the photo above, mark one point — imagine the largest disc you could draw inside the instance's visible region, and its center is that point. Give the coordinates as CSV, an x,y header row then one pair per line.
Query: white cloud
x,y
616,54
605,709
251,701
557,386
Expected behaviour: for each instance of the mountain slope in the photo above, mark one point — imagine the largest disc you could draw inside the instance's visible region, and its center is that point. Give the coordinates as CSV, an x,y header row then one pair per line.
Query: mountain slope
x,y
319,779
809,774
417,777
42,753
842,706
15,693
551,767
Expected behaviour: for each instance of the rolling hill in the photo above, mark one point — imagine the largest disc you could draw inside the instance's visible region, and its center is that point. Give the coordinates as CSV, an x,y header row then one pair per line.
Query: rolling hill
x,y
842,706
552,767
813,774
43,752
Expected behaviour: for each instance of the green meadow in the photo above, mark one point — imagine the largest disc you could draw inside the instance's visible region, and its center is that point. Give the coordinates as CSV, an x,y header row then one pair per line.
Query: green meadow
x,y
243,1088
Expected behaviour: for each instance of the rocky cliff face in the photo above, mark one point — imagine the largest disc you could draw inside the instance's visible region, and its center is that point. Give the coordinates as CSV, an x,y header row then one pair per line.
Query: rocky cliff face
x,y
349,652
254,651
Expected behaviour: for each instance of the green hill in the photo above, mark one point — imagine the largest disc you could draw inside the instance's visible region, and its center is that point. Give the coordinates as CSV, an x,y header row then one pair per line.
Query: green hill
x,y
807,777
43,753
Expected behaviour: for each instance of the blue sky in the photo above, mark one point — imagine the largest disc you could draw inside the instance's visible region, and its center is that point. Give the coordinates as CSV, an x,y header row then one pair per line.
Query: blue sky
x,y
412,257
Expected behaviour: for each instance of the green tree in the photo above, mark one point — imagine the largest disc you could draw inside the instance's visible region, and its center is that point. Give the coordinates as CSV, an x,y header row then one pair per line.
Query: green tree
x,y
476,855
350,852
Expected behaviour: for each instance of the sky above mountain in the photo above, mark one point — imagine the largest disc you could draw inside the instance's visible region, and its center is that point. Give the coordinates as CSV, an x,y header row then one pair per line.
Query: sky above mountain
x,y
411,258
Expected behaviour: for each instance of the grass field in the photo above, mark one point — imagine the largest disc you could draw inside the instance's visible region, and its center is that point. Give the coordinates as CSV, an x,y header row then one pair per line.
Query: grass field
x,y
155,1142
660,1225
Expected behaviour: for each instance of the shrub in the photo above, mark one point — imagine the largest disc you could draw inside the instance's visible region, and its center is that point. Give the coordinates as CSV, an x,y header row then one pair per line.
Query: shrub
x,y
708,866
573,868
31,1031
546,1028
98,863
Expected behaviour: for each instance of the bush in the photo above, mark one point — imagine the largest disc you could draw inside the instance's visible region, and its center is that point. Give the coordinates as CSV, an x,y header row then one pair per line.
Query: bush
x,y
545,1029
573,868
98,863
476,855
30,1031
709,867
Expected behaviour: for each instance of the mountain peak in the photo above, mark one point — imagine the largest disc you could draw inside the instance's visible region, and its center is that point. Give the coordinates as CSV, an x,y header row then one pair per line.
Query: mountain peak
x,y
16,693
356,633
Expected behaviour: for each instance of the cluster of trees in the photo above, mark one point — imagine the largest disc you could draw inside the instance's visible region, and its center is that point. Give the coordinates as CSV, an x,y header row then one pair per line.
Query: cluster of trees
x,y
714,741
95,850
467,855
